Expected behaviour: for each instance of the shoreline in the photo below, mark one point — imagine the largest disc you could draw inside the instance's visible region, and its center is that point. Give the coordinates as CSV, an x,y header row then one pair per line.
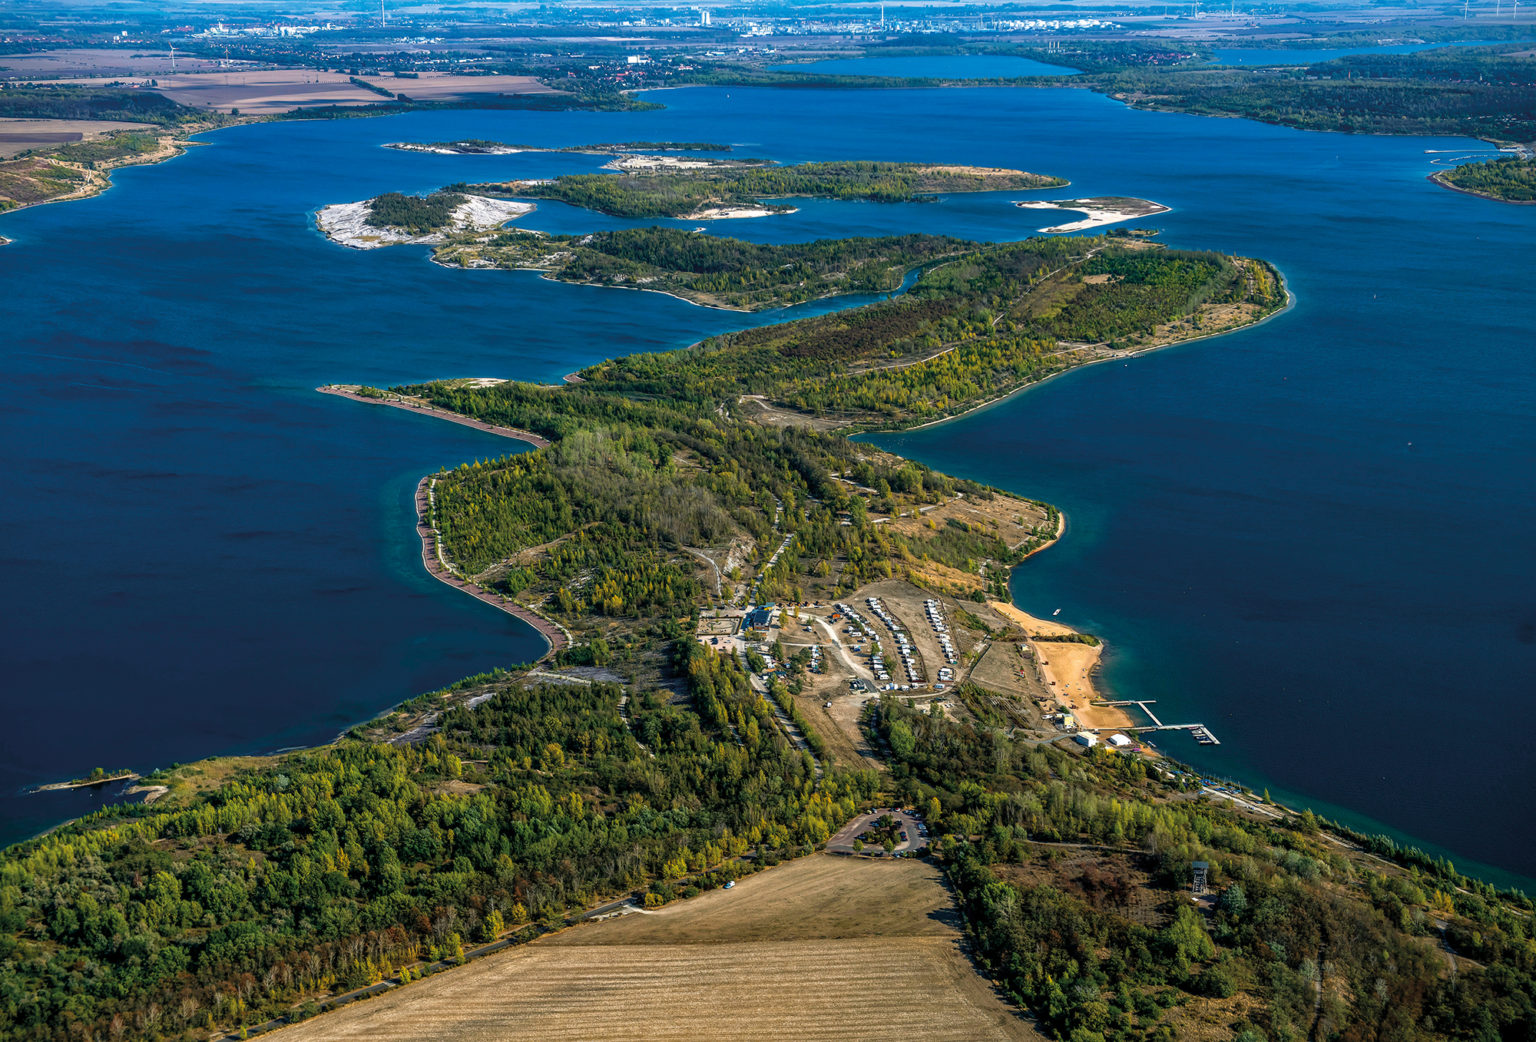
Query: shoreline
x,y
432,559
99,180
555,635
1068,669
84,783
1437,178
346,224
1290,302
419,405
549,275
1095,216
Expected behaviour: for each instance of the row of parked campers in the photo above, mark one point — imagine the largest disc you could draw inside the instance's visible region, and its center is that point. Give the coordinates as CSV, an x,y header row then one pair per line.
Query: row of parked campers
x,y
941,629
860,628
903,642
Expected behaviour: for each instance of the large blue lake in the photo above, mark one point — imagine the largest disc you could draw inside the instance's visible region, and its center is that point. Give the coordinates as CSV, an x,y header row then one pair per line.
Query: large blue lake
x,y
918,66
1313,535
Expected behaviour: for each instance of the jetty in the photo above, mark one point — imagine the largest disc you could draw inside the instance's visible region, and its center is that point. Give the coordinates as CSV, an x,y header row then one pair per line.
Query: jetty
x,y
1200,732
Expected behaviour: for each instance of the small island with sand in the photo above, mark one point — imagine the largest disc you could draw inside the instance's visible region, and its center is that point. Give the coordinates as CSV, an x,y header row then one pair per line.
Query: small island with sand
x,y
394,219
1100,211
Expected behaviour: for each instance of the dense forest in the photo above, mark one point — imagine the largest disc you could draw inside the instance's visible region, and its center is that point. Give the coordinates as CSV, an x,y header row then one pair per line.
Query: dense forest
x,y
674,193
1510,179
416,214
969,329
1073,874
1467,91
331,869
63,101
706,269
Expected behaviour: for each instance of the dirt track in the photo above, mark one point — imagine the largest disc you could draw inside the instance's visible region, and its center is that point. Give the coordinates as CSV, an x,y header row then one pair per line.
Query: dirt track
x,y
822,948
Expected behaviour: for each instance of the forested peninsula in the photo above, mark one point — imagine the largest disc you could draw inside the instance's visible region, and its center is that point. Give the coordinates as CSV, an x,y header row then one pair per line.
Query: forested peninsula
x,y
646,761
693,192
704,269
1509,179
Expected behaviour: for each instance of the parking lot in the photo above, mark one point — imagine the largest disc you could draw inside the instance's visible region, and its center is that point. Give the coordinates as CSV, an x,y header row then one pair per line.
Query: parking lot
x,y
907,822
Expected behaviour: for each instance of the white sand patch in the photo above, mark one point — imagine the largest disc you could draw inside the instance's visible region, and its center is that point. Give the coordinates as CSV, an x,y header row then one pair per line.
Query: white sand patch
x,y
634,161
731,213
459,149
1099,212
347,223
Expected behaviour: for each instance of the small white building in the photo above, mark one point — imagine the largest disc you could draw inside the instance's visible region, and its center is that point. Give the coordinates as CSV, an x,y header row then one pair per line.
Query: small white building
x,y
1087,738
1119,741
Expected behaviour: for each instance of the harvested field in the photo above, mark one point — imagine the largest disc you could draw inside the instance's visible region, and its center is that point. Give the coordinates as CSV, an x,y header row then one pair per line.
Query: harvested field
x,y
821,948
445,86
19,135
98,61
259,92
283,89
263,92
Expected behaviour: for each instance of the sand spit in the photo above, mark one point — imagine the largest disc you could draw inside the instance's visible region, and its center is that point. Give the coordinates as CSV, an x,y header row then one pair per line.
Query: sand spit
x,y
426,408
1101,211
347,223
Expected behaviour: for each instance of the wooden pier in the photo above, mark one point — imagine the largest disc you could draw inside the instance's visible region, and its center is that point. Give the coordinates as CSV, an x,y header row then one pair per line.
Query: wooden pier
x,y
1199,732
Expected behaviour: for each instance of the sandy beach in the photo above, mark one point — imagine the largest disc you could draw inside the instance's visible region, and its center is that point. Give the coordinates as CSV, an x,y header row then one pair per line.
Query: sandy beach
x,y
1067,668
1101,212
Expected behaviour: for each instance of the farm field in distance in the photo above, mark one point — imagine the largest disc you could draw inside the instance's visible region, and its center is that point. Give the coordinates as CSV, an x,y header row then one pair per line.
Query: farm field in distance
x,y
22,135
820,948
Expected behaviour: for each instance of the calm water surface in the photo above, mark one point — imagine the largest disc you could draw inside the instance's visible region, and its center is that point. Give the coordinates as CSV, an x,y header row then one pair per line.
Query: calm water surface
x,y
1314,536
965,66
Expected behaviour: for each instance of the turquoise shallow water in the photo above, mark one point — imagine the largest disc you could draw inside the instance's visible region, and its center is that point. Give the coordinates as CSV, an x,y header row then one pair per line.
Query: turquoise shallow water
x,y
215,559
